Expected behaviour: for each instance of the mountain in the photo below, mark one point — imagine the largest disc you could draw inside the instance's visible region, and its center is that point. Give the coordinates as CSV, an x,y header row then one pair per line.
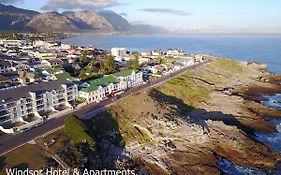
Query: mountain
x,y
148,29
52,22
11,10
89,20
12,18
17,19
118,22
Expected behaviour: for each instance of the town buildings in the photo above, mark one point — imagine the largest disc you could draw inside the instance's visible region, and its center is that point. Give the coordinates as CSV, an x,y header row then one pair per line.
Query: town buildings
x,y
24,104
118,52
101,88
175,53
40,79
5,66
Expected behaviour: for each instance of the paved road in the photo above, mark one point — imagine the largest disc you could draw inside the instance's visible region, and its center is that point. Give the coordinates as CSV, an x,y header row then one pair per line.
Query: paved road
x,y
8,143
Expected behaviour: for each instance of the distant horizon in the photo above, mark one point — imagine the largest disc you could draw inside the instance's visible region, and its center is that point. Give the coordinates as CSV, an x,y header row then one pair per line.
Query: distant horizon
x,y
234,17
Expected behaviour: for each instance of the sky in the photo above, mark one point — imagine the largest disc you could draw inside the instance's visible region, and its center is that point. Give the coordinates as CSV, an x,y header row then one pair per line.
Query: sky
x,y
182,16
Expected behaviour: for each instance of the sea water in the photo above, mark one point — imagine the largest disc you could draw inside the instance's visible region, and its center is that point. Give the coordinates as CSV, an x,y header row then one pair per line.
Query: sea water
x,y
264,49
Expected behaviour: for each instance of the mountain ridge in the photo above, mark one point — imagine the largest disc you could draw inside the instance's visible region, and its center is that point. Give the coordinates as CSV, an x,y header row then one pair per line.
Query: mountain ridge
x,y
18,19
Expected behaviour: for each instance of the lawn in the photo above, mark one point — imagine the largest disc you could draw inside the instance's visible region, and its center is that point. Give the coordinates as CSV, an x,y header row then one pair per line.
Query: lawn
x,y
195,86
77,131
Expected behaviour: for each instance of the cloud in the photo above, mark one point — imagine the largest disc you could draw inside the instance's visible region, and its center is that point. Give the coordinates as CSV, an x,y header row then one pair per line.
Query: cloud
x,y
9,1
78,4
167,11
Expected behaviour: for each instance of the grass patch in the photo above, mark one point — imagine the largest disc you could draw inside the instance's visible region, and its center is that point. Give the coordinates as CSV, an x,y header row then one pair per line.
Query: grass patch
x,y
186,89
77,131
227,66
195,86
144,134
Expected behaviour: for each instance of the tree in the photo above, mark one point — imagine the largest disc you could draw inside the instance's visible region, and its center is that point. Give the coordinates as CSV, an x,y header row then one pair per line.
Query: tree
x,y
135,64
161,60
110,65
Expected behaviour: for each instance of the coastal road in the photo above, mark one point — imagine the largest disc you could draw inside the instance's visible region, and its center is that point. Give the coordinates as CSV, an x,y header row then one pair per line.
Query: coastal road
x,y
11,142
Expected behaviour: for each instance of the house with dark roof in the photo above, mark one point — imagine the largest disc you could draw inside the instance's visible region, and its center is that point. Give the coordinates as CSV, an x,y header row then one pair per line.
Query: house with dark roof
x,y
64,75
53,63
5,66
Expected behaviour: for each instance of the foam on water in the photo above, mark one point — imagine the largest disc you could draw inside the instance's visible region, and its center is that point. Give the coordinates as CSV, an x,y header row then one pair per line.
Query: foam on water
x,y
273,139
273,101
231,168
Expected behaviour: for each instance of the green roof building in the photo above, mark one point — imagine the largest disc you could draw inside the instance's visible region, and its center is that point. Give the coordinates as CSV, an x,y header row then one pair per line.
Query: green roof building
x,y
100,88
125,73
104,81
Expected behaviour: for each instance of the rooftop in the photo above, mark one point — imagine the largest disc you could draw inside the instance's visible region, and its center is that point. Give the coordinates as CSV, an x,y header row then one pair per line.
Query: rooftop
x,y
104,81
4,63
64,75
125,73
14,94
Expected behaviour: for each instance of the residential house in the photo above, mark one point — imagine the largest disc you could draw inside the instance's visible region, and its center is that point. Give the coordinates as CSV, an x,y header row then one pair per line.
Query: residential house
x,y
5,66
157,52
28,77
48,72
92,70
64,75
53,63
146,53
188,61
13,76
42,55
12,43
175,53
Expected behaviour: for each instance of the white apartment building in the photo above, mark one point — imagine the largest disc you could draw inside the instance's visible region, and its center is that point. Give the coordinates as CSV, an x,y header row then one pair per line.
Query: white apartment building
x,y
100,88
118,52
24,103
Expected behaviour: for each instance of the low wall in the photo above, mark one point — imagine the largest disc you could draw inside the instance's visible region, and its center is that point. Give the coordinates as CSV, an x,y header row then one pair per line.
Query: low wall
x,y
29,125
82,105
60,113
7,131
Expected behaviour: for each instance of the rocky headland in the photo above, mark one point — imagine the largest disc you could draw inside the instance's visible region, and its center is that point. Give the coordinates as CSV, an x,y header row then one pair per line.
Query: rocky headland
x,y
188,124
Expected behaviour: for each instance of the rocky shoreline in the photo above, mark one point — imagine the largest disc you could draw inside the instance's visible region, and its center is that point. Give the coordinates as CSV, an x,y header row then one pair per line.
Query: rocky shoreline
x,y
188,124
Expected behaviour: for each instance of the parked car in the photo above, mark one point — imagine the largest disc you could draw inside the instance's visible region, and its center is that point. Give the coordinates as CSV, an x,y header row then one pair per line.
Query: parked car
x,y
25,130
49,143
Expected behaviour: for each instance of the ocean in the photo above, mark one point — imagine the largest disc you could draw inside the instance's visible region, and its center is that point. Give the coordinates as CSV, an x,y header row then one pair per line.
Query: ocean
x,y
264,49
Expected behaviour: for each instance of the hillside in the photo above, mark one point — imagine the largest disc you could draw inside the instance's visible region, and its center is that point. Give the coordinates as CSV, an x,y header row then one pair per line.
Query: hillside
x,y
12,18
17,19
117,21
89,20
52,22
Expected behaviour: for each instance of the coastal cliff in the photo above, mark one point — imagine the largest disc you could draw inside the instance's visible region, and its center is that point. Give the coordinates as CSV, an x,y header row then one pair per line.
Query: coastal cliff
x,y
209,120
188,124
